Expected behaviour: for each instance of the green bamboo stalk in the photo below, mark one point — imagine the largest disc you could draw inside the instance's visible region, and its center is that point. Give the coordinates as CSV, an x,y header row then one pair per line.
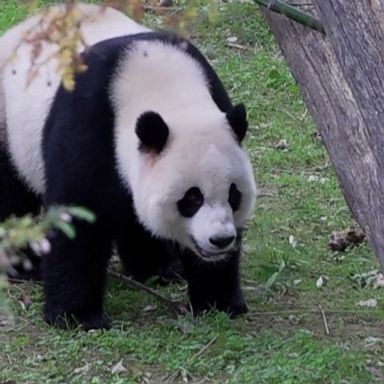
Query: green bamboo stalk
x,y
293,13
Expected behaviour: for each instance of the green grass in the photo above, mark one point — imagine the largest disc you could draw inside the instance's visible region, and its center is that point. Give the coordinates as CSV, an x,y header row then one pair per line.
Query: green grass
x,y
282,339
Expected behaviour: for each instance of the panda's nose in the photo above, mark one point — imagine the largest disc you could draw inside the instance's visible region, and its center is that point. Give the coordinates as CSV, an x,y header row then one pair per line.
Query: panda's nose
x,y
221,242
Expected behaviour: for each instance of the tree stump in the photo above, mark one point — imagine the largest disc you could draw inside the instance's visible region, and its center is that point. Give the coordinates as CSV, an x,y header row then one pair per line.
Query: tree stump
x,y
341,77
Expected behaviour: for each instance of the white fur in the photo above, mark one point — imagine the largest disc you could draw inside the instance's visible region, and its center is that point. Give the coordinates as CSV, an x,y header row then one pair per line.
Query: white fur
x,y
25,107
201,150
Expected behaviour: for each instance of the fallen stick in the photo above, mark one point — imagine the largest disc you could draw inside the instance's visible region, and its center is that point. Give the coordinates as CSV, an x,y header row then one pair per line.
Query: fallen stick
x,y
177,306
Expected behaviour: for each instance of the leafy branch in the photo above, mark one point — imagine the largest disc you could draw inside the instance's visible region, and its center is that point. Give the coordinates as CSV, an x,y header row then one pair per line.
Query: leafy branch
x,y
18,233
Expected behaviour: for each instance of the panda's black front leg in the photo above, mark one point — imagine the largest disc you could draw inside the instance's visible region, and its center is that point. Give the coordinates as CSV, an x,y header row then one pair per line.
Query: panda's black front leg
x,y
144,256
214,284
74,275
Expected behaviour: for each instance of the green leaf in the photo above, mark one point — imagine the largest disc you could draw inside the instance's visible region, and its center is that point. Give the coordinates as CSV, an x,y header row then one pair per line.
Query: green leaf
x,y
66,228
82,213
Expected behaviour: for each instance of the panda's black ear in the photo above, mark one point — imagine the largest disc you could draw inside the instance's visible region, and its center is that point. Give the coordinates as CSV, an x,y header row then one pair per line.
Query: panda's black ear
x,y
237,118
152,131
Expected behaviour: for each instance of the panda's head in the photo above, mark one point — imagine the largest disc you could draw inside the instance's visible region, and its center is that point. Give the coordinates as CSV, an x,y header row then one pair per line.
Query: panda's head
x,y
193,184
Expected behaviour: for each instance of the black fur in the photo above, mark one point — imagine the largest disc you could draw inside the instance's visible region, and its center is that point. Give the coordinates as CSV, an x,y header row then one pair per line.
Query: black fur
x,y
152,131
17,200
214,285
234,197
191,202
151,256
237,118
78,152
80,170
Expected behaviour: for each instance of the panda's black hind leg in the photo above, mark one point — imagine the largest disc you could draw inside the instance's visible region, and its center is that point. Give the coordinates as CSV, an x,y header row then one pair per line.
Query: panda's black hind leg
x,y
17,200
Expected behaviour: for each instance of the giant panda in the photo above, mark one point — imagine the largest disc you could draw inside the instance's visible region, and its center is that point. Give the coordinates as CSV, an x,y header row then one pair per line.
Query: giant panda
x,y
148,140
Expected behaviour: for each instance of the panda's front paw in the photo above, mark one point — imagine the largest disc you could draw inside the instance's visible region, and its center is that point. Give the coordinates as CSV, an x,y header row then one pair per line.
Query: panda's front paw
x,y
87,321
170,273
236,308
233,307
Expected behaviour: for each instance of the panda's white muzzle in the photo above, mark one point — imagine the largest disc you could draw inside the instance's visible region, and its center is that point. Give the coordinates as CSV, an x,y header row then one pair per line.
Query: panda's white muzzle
x,y
212,232
224,246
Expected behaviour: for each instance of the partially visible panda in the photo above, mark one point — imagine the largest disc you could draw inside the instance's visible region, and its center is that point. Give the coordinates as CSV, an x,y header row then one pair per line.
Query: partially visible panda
x,y
151,143
94,24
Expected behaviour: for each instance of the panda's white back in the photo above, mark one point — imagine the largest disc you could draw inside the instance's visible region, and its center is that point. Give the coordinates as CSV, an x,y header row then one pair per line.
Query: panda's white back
x,y
24,107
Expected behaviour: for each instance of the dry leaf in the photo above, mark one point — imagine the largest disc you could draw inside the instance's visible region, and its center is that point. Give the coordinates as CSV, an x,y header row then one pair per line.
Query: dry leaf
x,y
3,323
118,368
292,241
371,341
83,369
232,39
149,308
320,282
25,301
340,240
378,281
377,373
282,144
370,303
313,178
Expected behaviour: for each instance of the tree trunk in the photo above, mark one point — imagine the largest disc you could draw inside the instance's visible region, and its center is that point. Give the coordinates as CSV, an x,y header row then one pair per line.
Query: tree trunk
x,y
341,76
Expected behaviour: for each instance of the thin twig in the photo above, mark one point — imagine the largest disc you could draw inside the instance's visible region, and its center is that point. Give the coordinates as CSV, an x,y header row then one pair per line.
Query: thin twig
x,y
175,305
159,8
305,113
238,46
205,347
289,115
21,281
307,311
324,320
266,194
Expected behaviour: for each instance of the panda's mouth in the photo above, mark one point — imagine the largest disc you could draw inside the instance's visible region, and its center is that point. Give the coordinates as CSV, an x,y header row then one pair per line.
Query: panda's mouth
x,y
209,256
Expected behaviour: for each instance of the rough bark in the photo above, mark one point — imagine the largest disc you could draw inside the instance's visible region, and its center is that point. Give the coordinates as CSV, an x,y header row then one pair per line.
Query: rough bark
x,y
341,76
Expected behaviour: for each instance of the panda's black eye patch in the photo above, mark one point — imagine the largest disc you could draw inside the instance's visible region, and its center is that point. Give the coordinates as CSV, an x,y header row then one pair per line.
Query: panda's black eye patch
x,y
234,197
191,202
